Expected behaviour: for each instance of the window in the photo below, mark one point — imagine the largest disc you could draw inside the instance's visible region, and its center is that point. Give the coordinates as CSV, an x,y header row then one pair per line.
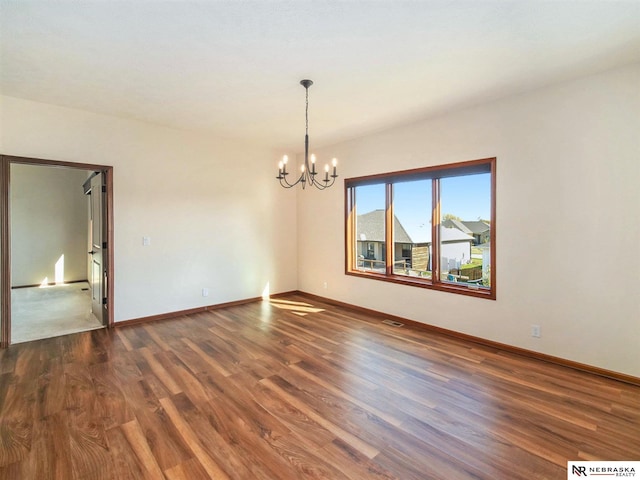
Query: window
x,y
431,227
369,229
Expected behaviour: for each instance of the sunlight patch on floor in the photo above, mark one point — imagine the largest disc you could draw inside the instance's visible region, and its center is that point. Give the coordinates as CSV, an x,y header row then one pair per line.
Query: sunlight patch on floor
x,y
299,308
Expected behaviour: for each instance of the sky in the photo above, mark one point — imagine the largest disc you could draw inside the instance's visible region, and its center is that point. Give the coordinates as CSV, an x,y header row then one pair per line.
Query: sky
x,y
468,197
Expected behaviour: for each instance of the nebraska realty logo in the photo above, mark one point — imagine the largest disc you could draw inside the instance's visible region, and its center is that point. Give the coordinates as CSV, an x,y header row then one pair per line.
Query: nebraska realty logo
x,y
603,469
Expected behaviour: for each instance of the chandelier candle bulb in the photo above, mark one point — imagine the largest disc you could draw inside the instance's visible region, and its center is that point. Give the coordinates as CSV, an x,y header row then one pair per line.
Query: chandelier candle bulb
x,y
313,164
335,164
326,172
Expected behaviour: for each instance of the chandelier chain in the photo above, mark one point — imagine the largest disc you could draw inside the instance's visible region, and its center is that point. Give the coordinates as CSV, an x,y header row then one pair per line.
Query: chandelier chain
x,y
306,112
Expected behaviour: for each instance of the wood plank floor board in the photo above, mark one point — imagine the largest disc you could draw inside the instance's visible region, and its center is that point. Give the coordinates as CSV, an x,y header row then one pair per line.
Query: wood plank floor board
x,y
326,340
523,400
326,367
477,439
189,470
51,389
296,388
125,463
426,466
152,372
368,426
186,380
336,409
343,409
150,343
13,471
370,372
167,446
50,454
233,450
114,407
295,420
406,365
340,453
568,417
246,410
513,425
246,434
28,366
17,422
253,350
134,337
450,449
366,403
199,449
86,432
195,362
8,358
297,338
210,355
280,387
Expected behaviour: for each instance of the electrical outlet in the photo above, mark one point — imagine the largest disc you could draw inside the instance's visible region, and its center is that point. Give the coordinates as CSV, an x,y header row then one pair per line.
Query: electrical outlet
x,y
205,292
535,331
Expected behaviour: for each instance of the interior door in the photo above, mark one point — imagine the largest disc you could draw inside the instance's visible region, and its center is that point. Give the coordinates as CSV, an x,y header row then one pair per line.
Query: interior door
x,y
96,270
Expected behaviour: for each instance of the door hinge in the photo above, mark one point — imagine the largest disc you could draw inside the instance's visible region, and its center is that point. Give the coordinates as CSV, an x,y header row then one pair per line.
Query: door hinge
x,y
104,244
104,189
104,300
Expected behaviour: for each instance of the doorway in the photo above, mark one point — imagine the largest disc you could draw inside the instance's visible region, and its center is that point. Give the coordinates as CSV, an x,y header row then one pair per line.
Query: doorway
x,y
82,281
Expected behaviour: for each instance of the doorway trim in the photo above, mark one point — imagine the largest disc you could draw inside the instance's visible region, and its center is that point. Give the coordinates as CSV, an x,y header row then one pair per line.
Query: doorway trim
x,y
5,235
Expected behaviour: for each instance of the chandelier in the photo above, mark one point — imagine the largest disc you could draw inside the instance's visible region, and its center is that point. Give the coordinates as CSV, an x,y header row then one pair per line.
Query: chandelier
x,y
308,171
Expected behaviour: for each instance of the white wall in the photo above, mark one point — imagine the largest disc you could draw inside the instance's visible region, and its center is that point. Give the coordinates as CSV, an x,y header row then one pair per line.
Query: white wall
x,y
49,219
216,216
568,220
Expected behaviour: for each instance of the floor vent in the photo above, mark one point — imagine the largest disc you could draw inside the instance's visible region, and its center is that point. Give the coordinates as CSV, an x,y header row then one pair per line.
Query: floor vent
x,y
393,323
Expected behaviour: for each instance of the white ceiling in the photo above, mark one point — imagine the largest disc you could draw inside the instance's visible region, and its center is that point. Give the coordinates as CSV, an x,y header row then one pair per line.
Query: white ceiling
x,y
232,67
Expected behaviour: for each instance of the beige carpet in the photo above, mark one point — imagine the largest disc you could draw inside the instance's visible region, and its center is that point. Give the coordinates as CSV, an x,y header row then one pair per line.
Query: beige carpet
x,y
43,312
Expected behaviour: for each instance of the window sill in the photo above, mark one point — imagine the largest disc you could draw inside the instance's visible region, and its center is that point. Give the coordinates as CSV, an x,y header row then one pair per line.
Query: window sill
x,y
426,283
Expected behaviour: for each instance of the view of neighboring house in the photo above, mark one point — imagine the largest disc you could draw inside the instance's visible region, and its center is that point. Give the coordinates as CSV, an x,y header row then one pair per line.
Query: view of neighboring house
x,y
412,252
371,241
480,230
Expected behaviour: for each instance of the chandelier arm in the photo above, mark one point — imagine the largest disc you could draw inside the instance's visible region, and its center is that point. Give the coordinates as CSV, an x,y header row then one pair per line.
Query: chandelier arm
x,y
282,178
306,178
321,185
318,186
285,183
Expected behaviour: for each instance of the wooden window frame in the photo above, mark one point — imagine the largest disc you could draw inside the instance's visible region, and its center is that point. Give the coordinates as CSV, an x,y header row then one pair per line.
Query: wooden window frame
x,y
435,174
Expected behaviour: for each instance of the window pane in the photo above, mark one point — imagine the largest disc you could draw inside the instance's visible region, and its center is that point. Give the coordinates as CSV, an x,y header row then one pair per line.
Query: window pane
x,y
466,226
370,228
412,228
464,205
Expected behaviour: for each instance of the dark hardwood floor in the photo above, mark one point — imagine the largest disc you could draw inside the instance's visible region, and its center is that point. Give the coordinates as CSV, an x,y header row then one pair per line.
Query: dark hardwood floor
x,y
293,389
